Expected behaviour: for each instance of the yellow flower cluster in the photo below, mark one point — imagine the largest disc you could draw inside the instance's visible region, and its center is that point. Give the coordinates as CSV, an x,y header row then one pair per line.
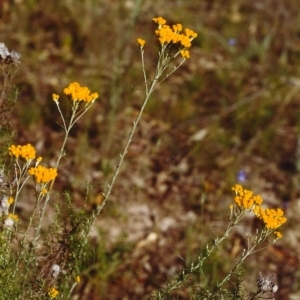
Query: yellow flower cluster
x,y
53,292
27,151
78,93
175,35
272,218
245,198
43,174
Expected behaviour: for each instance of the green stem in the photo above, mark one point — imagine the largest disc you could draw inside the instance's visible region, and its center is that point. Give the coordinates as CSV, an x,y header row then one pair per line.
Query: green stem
x,y
74,118
251,250
162,64
123,154
177,281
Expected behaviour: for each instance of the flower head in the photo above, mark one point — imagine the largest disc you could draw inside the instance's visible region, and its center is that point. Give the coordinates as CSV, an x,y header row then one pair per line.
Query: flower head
x,y
159,20
272,218
27,151
185,54
231,42
55,270
141,42
11,220
53,292
44,191
55,97
278,234
5,202
174,35
78,93
245,198
241,176
43,174
9,57
266,284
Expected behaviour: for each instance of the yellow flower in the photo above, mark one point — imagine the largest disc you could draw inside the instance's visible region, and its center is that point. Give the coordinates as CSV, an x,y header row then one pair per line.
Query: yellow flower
x,y
159,21
13,217
177,28
166,35
38,160
278,234
77,278
78,93
44,191
55,97
190,33
185,41
10,200
141,42
185,54
27,151
43,174
245,198
11,220
272,218
53,292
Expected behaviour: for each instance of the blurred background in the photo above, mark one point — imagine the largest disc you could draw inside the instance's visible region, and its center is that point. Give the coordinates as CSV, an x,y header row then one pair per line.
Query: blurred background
x,y
230,114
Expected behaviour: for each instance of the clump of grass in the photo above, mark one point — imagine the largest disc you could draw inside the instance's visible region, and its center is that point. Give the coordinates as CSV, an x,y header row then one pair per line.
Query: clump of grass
x,y
45,262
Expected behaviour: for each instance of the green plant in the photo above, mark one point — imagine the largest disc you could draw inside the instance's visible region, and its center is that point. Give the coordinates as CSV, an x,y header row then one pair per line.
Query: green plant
x,y
45,262
66,239
244,203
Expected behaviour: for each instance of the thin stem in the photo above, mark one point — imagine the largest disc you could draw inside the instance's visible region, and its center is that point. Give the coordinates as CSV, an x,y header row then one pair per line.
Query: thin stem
x,y
74,118
71,290
162,64
39,198
144,71
123,154
177,281
20,174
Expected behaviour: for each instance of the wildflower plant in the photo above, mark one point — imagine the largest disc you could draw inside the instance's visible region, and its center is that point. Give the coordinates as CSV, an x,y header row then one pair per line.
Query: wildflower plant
x,y
245,202
46,264
173,42
27,166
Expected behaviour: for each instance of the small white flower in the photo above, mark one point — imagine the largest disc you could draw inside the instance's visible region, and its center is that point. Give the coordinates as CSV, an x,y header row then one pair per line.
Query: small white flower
x,y
266,284
9,222
55,270
4,205
275,288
